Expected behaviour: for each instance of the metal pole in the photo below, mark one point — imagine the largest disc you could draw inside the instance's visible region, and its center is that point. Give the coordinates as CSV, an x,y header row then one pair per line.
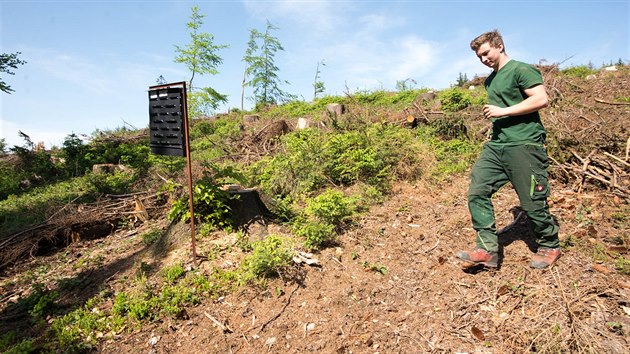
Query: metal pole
x,y
188,164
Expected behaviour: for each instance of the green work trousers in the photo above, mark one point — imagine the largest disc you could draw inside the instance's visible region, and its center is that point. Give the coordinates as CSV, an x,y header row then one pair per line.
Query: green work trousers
x,y
525,166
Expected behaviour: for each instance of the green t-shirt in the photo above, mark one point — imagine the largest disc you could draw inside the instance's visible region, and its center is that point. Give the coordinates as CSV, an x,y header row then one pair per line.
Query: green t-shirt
x,y
506,88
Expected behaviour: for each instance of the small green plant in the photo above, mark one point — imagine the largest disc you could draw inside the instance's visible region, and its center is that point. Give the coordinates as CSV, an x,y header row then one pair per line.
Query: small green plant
x,y
174,272
120,305
317,235
75,331
243,242
149,237
299,169
141,306
614,326
622,265
25,346
268,257
620,219
352,156
556,328
118,183
375,267
211,205
172,299
41,301
331,207
599,253
450,127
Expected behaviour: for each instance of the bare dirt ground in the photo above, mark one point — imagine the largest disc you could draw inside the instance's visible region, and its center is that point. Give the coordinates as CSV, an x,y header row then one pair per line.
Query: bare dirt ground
x,y
392,284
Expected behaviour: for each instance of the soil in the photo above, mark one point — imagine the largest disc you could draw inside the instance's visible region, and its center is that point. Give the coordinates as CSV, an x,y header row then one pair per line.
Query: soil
x,y
391,285
412,295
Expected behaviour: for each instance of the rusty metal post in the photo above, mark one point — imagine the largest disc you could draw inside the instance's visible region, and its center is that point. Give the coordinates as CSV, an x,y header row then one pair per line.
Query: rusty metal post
x,y
188,164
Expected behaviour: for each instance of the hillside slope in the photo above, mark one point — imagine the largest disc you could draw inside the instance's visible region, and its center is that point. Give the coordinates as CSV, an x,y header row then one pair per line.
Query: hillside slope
x,y
390,285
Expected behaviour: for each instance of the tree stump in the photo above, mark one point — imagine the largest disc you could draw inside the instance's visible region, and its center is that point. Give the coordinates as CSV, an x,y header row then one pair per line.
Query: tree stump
x,y
249,213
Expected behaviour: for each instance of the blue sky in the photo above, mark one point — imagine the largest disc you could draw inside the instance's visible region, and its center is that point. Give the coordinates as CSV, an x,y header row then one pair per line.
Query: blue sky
x,y
90,62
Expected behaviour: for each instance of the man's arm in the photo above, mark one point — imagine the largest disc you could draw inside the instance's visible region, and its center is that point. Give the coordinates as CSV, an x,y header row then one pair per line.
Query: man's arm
x,y
536,100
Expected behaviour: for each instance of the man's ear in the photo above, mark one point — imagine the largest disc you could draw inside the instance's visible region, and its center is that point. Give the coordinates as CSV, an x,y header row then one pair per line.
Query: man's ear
x,y
501,48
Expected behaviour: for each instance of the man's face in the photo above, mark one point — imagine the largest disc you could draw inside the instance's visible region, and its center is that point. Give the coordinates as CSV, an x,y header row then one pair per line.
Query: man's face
x,y
490,55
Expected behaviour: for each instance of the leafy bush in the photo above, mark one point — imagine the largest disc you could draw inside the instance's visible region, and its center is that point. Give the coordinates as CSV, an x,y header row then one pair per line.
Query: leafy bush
x,y
120,182
30,208
173,273
453,156
316,234
298,169
74,153
211,205
351,157
10,181
25,346
268,257
331,207
455,99
149,237
450,127
581,71
41,301
172,299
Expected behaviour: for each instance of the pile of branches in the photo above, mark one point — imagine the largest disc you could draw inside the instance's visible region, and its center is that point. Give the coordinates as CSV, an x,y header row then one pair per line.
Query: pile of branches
x,y
76,222
599,168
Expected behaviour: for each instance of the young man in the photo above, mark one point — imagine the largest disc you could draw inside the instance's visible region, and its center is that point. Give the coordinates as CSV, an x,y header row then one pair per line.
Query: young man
x,y
515,153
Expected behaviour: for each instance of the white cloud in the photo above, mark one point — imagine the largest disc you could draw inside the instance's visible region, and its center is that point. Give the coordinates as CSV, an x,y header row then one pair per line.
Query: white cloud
x,y
77,71
412,57
321,15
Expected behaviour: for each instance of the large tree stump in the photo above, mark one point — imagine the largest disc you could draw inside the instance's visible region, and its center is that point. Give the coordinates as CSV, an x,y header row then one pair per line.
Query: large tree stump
x,y
249,213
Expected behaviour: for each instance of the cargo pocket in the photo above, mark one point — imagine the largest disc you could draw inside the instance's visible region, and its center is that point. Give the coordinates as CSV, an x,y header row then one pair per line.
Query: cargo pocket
x,y
539,187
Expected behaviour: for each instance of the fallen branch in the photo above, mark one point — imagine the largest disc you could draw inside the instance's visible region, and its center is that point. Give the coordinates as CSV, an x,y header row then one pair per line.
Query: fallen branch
x,y
618,159
222,327
612,103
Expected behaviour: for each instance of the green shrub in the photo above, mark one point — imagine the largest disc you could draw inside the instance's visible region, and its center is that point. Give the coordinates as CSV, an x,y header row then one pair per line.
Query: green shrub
x,y
149,237
134,155
41,302
173,299
455,99
209,139
17,212
173,273
298,169
316,234
24,347
211,205
74,332
120,182
268,257
10,181
581,71
120,306
351,157
142,306
331,207
450,127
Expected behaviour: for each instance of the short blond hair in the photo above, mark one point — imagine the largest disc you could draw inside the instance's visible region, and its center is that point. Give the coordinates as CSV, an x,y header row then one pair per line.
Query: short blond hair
x,y
493,38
